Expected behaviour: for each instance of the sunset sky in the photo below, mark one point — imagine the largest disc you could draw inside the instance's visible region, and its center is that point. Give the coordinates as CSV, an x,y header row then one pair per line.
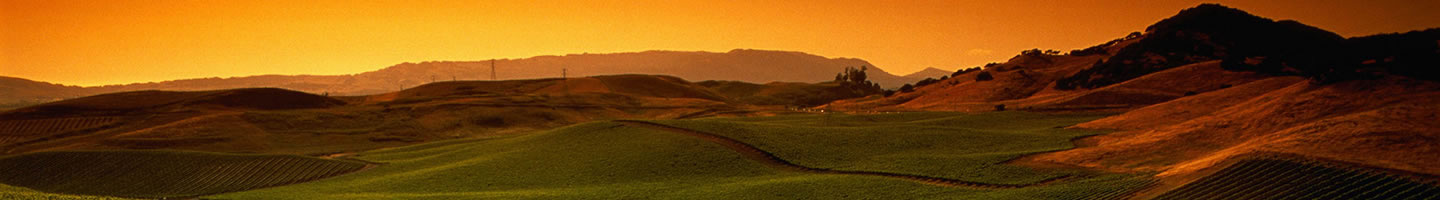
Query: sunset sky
x,y
89,42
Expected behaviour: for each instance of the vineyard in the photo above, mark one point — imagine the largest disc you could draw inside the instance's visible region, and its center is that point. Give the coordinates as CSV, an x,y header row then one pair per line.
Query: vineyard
x,y
12,131
968,147
1122,190
158,174
1287,179
623,160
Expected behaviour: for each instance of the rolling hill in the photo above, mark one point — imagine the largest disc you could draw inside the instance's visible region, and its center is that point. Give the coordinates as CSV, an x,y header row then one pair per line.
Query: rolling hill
x,y
151,119
273,120
150,102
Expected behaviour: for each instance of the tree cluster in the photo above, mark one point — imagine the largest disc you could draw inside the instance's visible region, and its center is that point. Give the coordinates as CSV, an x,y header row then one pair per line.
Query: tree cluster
x,y
853,75
963,71
855,80
1038,52
1100,49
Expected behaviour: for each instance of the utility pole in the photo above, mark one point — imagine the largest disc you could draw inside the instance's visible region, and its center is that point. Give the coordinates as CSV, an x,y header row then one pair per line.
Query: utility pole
x,y
565,81
492,69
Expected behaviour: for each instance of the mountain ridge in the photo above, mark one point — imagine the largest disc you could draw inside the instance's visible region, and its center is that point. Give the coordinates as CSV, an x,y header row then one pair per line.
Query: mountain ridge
x,y
928,72
748,65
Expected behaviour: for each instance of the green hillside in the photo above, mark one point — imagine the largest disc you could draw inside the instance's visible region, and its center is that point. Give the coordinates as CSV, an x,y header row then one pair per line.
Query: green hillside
x,y
612,160
969,147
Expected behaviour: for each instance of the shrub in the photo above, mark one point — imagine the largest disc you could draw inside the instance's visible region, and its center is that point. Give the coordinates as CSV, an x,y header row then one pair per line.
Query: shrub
x,y
907,88
925,82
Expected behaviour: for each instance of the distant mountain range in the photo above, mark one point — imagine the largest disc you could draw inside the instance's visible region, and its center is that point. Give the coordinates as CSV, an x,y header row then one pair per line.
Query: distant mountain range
x,y
928,72
755,66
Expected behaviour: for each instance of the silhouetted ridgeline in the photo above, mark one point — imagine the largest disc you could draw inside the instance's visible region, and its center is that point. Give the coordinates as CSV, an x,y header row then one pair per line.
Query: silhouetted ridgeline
x,y
1248,42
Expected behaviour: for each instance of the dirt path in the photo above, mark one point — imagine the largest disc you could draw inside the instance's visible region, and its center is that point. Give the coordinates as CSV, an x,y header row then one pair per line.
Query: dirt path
x,y
769,159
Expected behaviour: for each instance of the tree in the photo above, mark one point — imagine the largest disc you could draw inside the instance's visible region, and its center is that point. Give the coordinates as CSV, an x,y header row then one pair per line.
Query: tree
x,y
984,76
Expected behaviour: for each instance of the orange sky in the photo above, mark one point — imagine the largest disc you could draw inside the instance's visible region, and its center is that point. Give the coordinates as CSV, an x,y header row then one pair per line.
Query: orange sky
x,y
86,42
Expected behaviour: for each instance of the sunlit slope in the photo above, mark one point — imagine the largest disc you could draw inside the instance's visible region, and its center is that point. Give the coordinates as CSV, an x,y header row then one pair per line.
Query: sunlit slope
x,y
610,160
1388,123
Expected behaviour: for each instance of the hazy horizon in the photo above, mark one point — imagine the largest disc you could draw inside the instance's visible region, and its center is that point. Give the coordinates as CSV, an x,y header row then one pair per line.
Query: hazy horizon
x,y
102,43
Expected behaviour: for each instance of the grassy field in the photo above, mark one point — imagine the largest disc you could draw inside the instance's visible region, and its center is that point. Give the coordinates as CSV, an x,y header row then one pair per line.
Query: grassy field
x,y
968,147
610,160
156,174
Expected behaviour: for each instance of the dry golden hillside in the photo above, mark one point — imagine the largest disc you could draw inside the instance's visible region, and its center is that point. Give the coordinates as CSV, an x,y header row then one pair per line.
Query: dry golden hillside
x,y
1389,124
1027,83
